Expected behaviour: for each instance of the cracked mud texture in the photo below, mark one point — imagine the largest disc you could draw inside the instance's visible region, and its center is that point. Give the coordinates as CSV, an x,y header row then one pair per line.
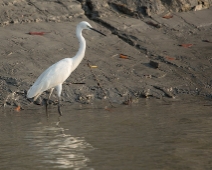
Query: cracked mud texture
x,y
155,64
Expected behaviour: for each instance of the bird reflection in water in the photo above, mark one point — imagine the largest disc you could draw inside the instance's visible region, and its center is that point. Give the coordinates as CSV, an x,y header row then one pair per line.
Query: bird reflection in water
x,y
55,148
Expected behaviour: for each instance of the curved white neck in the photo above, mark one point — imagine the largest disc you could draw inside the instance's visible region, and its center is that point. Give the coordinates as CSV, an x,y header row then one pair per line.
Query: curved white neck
x,y
81,52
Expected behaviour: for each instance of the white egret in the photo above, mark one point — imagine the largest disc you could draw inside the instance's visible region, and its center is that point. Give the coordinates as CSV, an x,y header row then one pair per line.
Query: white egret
x,y
55,75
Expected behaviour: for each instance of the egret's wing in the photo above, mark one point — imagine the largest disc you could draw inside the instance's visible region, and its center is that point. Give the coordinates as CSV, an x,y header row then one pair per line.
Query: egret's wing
x,y
51,77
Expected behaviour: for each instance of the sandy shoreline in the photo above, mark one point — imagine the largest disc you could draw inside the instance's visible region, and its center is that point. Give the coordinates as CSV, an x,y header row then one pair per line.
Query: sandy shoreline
x,y
179,46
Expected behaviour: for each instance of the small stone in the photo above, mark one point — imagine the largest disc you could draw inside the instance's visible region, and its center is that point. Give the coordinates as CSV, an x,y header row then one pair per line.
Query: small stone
x,y
154,64
198,7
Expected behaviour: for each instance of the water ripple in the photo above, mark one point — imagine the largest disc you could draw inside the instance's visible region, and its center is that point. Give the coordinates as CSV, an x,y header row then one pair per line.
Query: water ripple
x,y
57,148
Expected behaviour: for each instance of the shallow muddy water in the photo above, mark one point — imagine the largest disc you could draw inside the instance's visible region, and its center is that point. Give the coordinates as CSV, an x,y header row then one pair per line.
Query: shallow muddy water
x,y
150,136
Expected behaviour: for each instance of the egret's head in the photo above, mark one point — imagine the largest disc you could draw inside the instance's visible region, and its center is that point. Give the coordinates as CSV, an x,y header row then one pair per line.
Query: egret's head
x,y
86,25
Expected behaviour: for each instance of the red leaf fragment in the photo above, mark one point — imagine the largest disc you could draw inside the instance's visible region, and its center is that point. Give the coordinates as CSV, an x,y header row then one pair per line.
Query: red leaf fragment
x,y
170,58
37,33
186,45
168,16
123,56
17,109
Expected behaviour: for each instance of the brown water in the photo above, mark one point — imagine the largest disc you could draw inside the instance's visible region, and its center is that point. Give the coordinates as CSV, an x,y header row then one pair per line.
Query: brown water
x,y
150,136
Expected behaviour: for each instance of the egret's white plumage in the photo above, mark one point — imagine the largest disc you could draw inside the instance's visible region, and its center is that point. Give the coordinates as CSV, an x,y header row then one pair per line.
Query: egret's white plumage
x,y
51,77
55,75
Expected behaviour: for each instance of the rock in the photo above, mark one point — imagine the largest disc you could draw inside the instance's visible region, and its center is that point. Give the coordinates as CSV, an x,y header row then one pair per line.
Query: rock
x,y
154,64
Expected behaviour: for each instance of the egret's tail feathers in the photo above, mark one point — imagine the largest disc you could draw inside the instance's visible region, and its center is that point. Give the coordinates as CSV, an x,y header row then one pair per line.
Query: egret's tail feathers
x,y
32,92
31,96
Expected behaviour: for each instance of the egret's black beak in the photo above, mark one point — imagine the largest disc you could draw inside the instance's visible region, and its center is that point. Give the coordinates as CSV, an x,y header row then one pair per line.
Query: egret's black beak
x,y
97,31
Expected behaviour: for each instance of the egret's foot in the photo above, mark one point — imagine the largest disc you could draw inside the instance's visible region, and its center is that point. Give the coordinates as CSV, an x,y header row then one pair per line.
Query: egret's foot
x,y
46,107
46,103
59,111
39,101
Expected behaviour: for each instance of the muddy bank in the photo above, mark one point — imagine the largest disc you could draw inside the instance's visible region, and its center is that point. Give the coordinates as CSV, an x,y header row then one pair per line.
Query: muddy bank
x,y
163,55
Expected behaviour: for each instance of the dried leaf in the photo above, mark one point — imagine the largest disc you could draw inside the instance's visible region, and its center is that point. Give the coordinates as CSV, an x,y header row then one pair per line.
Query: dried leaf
x,y
37,33
93,66
123,56
170,58
168,16
186,45
17,109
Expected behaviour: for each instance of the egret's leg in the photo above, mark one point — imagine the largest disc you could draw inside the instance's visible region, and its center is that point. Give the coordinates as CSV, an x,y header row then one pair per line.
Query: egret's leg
x,y
47,101
51,90
59,111
35,98
59,90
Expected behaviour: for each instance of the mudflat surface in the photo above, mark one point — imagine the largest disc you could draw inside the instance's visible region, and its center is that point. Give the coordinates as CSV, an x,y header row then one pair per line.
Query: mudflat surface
x,y
141,56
